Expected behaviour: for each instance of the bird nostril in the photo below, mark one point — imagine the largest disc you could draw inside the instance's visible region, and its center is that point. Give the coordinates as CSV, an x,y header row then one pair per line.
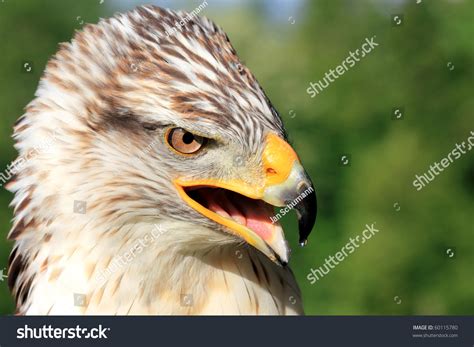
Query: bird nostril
x,y
271,171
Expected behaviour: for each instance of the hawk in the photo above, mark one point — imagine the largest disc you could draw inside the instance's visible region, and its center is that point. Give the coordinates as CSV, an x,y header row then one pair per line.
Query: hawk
x,y
150,162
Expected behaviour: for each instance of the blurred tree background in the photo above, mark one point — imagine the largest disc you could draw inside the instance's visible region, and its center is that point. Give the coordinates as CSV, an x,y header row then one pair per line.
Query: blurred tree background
x,y
424,65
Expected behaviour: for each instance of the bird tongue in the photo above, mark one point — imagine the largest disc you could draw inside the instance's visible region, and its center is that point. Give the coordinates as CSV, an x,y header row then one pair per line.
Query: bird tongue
x,y
254,214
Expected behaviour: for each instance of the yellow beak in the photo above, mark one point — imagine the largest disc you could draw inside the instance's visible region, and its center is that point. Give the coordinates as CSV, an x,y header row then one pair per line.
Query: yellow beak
x,y
284,181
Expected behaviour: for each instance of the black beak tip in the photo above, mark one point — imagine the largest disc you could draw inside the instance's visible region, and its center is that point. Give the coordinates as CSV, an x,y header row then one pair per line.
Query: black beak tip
x,y
306,211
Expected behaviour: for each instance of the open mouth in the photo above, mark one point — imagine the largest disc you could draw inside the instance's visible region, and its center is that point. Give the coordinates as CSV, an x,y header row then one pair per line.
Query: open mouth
x,y
245,217
251,213
245,208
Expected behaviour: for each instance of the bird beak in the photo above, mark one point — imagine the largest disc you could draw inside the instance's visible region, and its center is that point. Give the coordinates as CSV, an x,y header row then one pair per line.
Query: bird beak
x,y
247,210
289,185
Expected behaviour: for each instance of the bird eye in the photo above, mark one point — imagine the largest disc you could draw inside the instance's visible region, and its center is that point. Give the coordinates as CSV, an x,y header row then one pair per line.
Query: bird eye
x,y
183,141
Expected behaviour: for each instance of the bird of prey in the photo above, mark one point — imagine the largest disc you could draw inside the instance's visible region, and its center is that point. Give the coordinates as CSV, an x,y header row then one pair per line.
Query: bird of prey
x,y
150,162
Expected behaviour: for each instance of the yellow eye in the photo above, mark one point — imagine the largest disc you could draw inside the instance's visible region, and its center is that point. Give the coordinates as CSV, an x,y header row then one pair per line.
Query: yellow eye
x,y
183,141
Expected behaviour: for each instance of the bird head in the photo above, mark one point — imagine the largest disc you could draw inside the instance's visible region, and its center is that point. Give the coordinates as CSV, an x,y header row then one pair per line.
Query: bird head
x,y
155,121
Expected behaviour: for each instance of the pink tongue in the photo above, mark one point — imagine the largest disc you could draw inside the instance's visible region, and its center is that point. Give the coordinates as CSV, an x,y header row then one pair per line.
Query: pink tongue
x,y
254,214
258,219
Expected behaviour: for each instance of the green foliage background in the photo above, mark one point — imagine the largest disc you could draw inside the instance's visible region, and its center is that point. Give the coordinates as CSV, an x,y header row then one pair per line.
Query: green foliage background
x,y
407,258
